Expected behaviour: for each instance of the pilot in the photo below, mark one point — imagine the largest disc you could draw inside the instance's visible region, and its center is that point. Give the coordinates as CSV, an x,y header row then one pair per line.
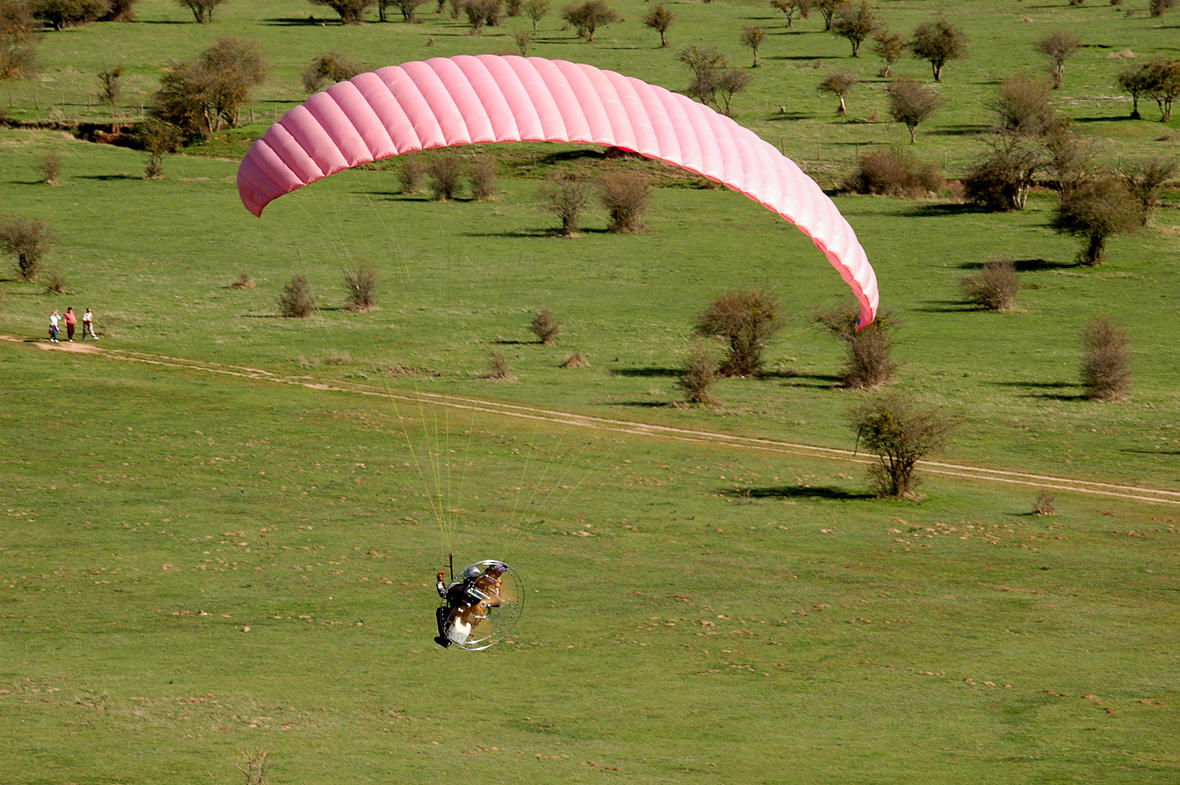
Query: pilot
x,y
466,602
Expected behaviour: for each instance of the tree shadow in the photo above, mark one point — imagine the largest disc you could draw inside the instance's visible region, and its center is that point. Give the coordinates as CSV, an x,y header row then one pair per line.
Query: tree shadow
x,y
301,21
1025,265
513,342
1044,390
823,492
109,177
959,129
643,404
948,306
942,210
647,372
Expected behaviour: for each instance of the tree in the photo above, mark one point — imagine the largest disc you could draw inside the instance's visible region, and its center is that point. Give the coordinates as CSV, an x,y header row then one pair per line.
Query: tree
x,y
535,10
110,89
120,11
660,19
792,7
331,67
1162,81
911,103
938,42
889,47
158,137
351,12
60,14
406,7
17,37
202,9
1095,211
206,95
1106,364
589,16
565,196
752,36
1145,180
714,82
481,14
1022,106
626,197
838,84
827,9
901,433
855,23
1059,45
445,172
28,239
1002,179
1135,81
746,321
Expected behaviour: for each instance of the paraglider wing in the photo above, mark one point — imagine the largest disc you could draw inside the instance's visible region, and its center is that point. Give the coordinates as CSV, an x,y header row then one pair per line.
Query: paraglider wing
x,y
462,100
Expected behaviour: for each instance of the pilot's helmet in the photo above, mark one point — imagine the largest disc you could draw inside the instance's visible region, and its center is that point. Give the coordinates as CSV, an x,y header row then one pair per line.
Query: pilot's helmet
x,y
472,572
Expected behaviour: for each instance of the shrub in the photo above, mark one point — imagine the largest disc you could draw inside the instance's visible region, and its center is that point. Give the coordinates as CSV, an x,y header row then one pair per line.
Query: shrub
x,y
626,196
243,281
1022,106
331,67
869,362
1059,45
894,171
158,137
60,14
1157,7
202,9
351,12
900,433
482,13
110,89
535,10
1106,364
50,168
360,282
522,37
27,239
206,95
296,300
1045,505
498,368
565,196
445,173
17,38
746,320
1002,179
55,282
545,327
994,287
483,179
120,11
575,360
714,83
1145,180
411,173
587,17
699,374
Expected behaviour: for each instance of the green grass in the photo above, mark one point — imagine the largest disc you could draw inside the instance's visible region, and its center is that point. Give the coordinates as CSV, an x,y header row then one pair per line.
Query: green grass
x,y
197,564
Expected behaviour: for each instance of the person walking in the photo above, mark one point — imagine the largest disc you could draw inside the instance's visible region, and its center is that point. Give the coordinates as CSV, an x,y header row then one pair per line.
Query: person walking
x,y
88,325
71,323
53,321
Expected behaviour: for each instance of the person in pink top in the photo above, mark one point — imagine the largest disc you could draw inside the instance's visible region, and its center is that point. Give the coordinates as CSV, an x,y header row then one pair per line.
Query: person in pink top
x,y
71,323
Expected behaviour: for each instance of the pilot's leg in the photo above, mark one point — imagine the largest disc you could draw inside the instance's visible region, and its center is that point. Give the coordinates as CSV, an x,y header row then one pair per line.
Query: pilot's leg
x,y
441,617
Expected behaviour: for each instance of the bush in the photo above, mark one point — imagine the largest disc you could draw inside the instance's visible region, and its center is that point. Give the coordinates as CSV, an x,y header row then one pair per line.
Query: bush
x,y
158,137
445,174
1045,505
297,301
746,321
565,196
55,282
626,196
545,327
483,179
901,434
869,362
1145,180
698,376
893,171
498,368
17,37
361,283
1002,179
110,89
331,67
575,360
28,240
587,17
51,168
994,287
206,95
1095,211
352,12
202,9
243,281
1106,364
411,173
61,14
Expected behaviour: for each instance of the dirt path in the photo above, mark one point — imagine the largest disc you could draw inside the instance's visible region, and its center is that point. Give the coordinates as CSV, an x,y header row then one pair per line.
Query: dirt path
x,y
630,427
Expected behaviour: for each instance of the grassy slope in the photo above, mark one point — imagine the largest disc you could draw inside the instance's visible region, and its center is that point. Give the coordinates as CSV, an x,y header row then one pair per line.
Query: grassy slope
x,y
697,614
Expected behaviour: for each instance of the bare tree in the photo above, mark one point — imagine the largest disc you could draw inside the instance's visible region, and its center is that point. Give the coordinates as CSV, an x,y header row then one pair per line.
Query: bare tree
x,y
752,36
28,239
1145,180
660,19
202,9
938,42
351,12
565,196
838,84
1096,211
1059,45
626,196
911,102
855,23
589,16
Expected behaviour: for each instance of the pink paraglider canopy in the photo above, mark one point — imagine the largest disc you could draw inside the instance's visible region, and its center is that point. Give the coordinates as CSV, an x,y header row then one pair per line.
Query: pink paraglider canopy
x,y
445,102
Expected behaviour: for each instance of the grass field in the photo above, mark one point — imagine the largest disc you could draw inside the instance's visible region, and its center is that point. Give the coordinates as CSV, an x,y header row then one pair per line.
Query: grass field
x,y
202,561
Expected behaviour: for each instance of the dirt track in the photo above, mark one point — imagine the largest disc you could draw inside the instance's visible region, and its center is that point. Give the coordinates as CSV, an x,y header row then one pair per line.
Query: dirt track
x,y
976,473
